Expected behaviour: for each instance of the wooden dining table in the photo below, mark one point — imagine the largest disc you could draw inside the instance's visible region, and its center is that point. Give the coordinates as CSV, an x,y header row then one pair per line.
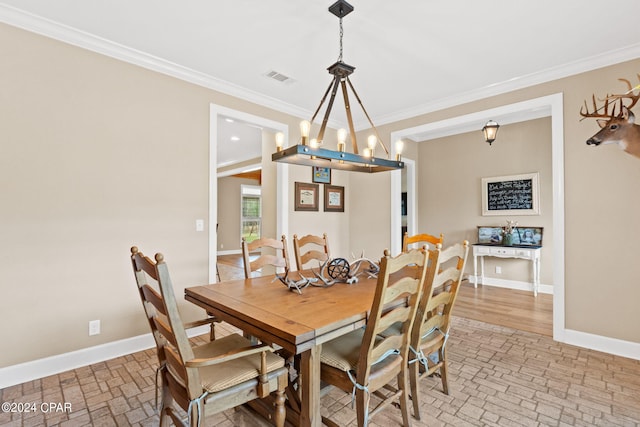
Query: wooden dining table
x,y
266,309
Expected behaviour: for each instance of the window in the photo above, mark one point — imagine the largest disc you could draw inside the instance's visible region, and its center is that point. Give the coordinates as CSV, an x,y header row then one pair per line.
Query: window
x,y
251,215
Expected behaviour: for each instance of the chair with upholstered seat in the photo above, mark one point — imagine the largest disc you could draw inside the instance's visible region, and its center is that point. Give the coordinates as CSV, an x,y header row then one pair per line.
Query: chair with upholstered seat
x,y
420,239
317,249
273,253
207,378
432,323
366,363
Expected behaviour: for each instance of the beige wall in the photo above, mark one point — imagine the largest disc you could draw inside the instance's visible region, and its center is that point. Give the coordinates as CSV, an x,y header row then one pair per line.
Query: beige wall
x,y
98,155
335,224
449,199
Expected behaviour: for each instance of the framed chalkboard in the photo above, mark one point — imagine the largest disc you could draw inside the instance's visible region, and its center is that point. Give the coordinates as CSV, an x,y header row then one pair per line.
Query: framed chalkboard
x,y
511,195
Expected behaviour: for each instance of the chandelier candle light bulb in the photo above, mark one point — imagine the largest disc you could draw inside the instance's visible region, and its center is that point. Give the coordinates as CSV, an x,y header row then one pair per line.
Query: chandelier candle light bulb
x,y
399,148
305,127
279,141
371,143
342,137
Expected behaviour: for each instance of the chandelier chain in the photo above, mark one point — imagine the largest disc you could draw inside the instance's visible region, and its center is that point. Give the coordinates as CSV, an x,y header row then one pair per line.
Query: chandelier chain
x,y
341,34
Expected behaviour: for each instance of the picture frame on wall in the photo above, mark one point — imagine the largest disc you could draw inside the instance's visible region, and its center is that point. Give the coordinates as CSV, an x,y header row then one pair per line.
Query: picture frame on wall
x,y
320,175
511,195
333,198
306,196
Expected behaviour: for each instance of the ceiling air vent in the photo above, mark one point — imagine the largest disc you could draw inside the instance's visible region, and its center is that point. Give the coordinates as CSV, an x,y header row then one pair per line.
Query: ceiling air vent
x,y
279,77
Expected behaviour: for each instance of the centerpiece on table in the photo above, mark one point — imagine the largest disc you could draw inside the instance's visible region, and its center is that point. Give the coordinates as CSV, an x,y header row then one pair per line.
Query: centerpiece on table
x,y
507,232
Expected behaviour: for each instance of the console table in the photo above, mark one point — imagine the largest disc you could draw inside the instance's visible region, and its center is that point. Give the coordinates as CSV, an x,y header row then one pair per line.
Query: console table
x,y
531,253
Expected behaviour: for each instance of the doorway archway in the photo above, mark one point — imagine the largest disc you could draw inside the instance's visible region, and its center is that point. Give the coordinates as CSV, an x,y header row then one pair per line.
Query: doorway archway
x,y
547,106
282,172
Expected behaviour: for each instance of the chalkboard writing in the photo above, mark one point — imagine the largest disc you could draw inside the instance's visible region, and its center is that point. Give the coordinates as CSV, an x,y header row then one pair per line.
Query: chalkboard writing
x,y
510,195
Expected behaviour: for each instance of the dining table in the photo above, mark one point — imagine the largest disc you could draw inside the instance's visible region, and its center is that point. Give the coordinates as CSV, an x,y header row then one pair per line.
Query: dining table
x,y
297,322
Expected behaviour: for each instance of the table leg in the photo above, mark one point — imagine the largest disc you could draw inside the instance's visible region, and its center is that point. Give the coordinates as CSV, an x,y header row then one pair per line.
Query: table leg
x,y
310,399
475,271
536,275
482,270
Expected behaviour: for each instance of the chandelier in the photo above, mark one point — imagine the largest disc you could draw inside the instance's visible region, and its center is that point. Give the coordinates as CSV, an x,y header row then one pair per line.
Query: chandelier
x,y
309,152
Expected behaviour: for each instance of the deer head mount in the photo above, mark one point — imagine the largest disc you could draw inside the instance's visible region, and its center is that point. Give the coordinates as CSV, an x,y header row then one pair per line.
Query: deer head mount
x,y
617,126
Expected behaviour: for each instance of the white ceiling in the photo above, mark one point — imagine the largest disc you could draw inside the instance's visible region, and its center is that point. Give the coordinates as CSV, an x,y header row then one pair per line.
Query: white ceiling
x,y
411,56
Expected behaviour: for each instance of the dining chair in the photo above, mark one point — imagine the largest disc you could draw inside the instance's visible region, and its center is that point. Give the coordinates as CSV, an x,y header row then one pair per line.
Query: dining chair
x,y
279,259
433,321
421,239
317,248
364,363
207,378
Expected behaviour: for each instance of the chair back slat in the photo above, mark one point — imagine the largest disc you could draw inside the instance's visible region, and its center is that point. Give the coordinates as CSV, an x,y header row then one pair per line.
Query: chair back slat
x,y
164,329
279,259
154,298
176,366
419,240
317,248
141,262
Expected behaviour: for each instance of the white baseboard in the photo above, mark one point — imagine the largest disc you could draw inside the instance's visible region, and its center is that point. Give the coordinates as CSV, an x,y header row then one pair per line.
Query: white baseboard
x,y
29,371
230,252
608,345
512,284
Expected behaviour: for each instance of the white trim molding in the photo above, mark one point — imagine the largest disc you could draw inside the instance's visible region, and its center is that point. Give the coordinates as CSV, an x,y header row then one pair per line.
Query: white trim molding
x,y
607,345
511,284
29,371
66,34
282,179
40,368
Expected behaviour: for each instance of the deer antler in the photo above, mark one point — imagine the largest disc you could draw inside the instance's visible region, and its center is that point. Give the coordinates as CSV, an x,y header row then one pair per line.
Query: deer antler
x,y
586,114
628,94
620,97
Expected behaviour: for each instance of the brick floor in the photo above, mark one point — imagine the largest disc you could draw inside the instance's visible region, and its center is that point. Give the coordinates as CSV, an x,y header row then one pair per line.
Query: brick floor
x,y
497,377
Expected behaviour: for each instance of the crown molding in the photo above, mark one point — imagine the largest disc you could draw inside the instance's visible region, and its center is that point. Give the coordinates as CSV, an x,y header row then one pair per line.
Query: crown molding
x,y
66,34
561,71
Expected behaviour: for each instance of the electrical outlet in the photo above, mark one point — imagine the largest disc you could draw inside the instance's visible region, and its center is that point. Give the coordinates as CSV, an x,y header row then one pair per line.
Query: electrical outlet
x,y
199,224
94,327
221,245
498,269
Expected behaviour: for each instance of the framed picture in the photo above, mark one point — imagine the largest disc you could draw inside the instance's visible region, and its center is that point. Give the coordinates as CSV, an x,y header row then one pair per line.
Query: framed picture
x,y
511,195
522,236
528,236
333,198
306,196
321,175
490,235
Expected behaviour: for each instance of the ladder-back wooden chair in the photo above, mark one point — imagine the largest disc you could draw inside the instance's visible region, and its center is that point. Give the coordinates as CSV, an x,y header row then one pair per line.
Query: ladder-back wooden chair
x,y
207,378
420,240
433,320
317,248
279,259
365,363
